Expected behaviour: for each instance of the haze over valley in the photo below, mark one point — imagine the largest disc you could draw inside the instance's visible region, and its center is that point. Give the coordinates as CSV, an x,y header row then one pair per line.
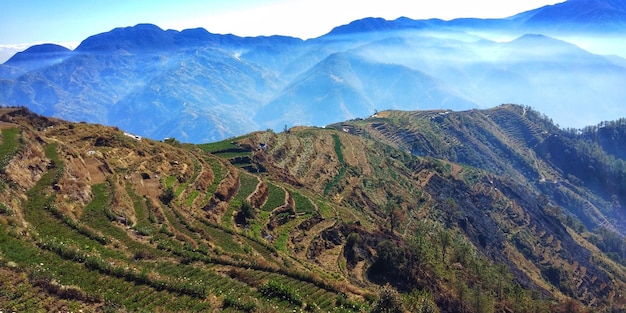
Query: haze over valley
x,y
200,87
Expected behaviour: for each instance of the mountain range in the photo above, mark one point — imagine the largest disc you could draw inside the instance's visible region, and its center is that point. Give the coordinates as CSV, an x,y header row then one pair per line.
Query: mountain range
x,y
200,87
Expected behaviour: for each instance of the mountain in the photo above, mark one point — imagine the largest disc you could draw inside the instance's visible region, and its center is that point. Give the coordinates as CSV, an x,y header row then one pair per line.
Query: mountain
x,y
578,15
345,86
374,25
33,58
44,51
478,210
201,87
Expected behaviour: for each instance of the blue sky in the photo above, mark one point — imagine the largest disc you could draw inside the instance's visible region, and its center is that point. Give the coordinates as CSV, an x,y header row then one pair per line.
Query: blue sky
x,y
71,21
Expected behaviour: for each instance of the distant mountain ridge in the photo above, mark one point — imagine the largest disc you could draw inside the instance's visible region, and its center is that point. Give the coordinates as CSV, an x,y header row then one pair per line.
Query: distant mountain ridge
x,y
585,15
143,38
198,86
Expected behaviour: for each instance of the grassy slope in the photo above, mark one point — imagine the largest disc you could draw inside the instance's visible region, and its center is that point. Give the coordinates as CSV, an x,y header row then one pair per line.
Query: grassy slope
x,y
342,213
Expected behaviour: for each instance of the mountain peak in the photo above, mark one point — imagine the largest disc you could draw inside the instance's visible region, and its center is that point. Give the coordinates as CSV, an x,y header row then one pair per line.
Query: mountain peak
x,y
38,52
588,15
374,24
141,37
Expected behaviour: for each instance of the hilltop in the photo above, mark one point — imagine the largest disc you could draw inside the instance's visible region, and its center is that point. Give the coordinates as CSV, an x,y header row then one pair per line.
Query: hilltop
x,y
475,211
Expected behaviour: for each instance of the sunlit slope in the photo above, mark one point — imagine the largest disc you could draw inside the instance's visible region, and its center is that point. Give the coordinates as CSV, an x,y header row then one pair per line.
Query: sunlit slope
x,y
96,218
487,187
521,143
316,219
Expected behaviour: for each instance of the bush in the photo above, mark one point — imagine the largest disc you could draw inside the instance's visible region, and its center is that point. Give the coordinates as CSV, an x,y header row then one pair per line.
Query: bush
x,y
238,304
342,302
421,302
274,289
168,195
247,210
391,261
389,301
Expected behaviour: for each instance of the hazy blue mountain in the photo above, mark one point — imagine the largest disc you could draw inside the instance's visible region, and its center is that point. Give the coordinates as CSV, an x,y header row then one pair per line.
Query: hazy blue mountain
x,y
198,86
569,83
373,25
34,57
345,86
579,15
137,39
39,52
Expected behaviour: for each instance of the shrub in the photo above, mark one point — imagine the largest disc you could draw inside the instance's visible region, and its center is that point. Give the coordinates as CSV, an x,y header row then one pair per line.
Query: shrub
x,y
247,210
168,195
342,302
389,301
238,304
274,289
421,301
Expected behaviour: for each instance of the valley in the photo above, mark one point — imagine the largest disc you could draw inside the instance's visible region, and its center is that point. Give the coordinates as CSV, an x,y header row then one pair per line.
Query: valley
x,y
466,165
201,87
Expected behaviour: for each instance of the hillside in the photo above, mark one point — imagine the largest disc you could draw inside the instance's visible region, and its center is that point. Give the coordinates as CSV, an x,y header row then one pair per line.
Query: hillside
x,y
317,219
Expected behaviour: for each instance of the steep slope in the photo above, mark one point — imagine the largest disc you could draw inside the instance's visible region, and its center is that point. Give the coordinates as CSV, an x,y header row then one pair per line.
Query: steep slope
x,y
97,219
311,218
509,224
518,142
346,86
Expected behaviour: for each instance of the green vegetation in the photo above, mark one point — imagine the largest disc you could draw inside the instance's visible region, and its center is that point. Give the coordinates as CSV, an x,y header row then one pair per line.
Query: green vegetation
x,y
248,184
230,150
9,146
395,231
220,145
275,198
303,204
276,290
342,168
145,217
219,171
191,197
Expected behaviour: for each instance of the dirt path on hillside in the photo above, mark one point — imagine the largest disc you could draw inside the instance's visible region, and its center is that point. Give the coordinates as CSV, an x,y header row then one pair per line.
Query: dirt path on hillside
x,y
311,233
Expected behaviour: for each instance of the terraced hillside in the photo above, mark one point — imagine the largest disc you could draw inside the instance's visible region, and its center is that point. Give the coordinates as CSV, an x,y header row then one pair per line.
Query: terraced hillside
x,y
96,219
310,219
520,143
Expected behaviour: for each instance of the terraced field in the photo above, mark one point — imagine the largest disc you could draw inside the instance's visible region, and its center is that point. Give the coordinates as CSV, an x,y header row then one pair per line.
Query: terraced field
x,y
311,219
158,233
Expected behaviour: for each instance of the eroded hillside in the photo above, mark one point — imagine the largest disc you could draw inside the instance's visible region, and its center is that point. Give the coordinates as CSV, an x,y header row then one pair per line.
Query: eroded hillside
x,y
311,219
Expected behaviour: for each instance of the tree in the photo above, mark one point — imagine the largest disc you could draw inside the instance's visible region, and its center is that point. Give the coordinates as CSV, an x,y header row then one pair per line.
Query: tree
x,y
420,245
391,259
389,301
445,240
172,141
246,212
352,248
394,212
168,195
